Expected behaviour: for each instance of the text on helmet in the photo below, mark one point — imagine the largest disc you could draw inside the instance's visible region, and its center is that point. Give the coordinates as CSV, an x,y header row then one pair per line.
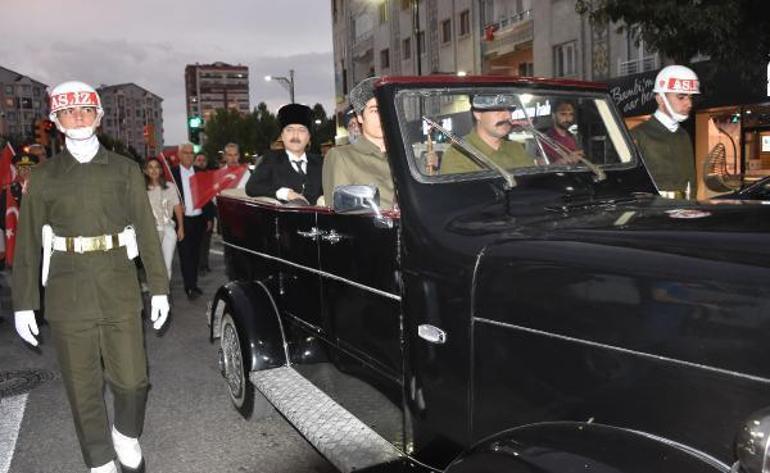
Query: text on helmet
x,y
74,99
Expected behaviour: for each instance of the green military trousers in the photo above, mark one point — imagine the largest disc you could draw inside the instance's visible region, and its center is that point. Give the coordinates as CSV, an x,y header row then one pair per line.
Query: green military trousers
x,y
90,351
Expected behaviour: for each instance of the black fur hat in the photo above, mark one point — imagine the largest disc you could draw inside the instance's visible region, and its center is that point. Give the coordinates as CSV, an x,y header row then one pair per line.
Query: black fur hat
x,y
295,113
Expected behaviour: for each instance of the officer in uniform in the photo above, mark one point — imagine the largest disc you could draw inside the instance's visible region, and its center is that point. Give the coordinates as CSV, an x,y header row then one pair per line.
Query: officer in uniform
x,y
365,161
492,125
665,146
88,209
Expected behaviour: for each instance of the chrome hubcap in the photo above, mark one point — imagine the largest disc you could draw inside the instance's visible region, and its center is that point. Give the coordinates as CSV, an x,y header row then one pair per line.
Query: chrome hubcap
x,y
231,359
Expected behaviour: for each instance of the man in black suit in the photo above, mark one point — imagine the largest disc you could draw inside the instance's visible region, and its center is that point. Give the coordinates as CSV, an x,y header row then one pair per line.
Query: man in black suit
x,y
196,222
291,174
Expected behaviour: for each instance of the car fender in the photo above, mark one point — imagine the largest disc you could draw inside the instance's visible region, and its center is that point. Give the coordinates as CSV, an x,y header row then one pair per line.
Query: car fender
x,y
256,316
564,447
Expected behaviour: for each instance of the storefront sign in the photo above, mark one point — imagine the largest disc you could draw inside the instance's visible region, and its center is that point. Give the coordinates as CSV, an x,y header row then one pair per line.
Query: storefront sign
x,y
632,96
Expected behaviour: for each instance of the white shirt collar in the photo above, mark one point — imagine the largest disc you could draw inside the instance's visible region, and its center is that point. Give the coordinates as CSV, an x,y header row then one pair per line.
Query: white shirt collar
x,y
292,157
666,121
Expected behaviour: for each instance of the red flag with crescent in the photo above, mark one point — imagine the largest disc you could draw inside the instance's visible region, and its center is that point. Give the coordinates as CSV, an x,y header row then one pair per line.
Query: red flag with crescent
x,y
205,185
7,176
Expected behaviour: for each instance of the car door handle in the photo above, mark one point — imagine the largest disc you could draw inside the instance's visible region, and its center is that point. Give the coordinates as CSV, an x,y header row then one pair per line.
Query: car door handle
x,y
332,236
313,234
431,333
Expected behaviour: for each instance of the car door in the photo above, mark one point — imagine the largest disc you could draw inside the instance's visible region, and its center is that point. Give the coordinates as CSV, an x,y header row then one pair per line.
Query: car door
x,y
361,295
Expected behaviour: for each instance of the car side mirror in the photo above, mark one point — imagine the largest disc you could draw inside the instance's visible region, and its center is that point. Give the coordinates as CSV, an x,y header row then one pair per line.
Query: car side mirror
x,y
752,443
356,198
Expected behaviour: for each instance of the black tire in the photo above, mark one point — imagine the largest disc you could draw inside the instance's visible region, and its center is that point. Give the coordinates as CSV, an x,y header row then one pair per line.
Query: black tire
x,y
235,369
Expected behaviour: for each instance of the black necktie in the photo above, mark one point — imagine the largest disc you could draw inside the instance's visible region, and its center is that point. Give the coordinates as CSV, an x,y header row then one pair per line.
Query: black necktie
x,y
298,167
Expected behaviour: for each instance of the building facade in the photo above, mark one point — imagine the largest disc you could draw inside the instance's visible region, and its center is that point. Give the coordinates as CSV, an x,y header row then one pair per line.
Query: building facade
x,y
566,45
421,37
22,101
133,115
210,87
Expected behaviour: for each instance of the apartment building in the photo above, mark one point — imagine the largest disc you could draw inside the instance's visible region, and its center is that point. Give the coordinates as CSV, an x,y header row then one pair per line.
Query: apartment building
x,y
216,86
133,115
22,101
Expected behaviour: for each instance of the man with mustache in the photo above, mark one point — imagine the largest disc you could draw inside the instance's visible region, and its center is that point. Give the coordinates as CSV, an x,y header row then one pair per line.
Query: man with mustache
x,y
492,124
291,174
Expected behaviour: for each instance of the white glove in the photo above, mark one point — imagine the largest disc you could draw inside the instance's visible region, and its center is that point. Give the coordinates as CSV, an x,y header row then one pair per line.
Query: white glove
x,y
158,311
26,326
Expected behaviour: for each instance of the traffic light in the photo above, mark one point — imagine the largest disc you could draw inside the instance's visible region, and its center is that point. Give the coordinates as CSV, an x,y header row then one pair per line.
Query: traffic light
x,y
194,126
42,135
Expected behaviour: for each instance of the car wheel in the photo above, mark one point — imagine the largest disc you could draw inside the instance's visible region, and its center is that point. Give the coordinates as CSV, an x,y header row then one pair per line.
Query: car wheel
x,y
233,367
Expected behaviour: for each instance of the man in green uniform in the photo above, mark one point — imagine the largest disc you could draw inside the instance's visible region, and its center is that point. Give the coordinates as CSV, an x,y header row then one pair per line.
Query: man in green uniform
x,y
365,161
665,146
492,125
88,209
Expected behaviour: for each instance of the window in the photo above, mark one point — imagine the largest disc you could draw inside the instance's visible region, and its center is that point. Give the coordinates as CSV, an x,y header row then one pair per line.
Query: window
x,y
446,31
406,48
564,60
8,90
382,8
465,22
526,69
385,58
36,92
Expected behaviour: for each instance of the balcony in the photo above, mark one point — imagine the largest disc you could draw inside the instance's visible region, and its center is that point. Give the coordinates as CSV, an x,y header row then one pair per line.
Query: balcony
x,y
508,34
635,66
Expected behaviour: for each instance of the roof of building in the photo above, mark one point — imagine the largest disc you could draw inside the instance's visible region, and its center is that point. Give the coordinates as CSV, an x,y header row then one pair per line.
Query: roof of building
x,y
107,88
7,75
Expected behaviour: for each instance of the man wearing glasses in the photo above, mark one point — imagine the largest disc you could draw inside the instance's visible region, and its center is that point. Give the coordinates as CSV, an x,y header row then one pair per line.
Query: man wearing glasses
x,y
88,209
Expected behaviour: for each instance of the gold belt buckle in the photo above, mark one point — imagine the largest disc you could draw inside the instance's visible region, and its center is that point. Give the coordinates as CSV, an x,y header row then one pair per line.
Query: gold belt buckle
x,y
98,244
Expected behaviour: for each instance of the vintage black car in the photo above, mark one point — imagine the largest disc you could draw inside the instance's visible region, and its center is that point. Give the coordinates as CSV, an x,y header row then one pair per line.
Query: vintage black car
x,y
544,318
759,190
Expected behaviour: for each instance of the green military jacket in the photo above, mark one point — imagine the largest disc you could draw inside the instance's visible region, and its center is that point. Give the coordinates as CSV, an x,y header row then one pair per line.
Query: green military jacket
x,y
510,155
359,163
668,156
96,198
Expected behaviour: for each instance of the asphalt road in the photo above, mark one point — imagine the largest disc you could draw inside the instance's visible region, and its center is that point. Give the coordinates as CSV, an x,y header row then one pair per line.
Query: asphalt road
x,y
190,424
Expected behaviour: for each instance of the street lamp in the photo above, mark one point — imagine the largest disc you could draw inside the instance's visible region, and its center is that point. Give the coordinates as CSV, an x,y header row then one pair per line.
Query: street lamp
x,y
287,82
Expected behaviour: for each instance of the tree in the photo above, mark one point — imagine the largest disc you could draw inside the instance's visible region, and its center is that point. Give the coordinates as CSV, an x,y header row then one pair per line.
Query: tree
x,y
324,128
733,33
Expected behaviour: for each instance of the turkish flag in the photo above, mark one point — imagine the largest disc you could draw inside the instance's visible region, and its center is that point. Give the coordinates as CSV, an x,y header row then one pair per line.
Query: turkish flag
x,y
7,170
11,219
7,176
166,168
204,185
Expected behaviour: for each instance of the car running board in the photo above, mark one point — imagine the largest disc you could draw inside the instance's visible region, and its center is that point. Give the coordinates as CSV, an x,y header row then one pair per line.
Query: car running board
x,y
342,438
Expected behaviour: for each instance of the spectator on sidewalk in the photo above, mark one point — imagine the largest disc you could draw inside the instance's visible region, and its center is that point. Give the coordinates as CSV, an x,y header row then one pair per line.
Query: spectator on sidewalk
x,y
196,222
166,208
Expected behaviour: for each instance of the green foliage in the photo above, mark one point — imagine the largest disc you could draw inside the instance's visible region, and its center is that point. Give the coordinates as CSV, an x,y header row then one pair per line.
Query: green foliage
x,y
733,33
254,132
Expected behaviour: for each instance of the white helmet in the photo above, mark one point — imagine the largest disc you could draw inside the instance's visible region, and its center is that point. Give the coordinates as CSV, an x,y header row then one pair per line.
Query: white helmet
x,y
73,94
678,80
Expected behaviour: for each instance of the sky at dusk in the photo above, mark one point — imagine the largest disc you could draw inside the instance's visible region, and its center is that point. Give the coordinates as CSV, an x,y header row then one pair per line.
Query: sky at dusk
x,y
149,42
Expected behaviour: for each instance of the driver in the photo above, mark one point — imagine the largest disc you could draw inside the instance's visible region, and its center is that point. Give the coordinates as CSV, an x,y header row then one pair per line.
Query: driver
x,y
491,126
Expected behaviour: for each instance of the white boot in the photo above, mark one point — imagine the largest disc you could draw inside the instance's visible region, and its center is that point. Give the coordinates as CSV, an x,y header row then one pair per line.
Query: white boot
x,y
128,449
106,468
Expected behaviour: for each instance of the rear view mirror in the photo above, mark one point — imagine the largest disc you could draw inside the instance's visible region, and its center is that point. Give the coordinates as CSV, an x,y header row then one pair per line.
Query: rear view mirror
x,y
356,198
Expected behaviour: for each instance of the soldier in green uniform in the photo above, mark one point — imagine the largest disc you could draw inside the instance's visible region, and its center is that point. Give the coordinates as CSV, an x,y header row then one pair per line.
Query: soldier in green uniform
x,y
492,124
88,209
665,146
365,161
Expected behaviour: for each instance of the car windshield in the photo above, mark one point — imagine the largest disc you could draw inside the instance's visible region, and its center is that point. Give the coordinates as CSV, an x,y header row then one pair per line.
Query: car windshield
x,y
468,134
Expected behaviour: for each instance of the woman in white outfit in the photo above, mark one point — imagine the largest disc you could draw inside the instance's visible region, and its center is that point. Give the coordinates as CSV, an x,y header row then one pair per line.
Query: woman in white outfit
x,y
165,205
